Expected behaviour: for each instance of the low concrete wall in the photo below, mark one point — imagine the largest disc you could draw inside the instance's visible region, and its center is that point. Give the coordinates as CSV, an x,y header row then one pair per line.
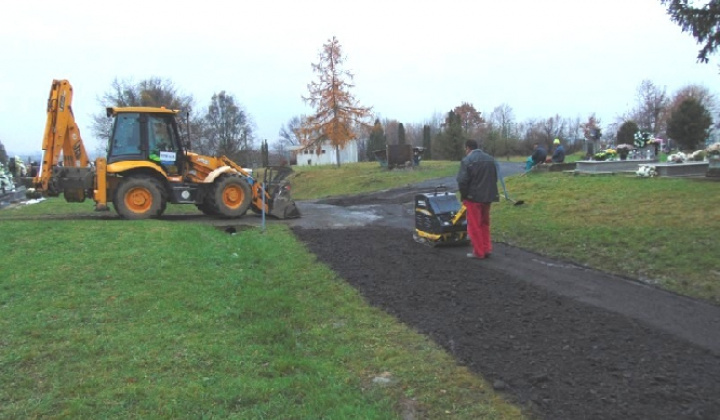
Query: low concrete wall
x,y
662,169
681,169
605,166
555,167
713,167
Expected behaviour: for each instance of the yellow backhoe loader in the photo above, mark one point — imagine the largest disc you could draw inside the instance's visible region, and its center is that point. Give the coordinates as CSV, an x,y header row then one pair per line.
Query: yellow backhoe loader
x,y
147,166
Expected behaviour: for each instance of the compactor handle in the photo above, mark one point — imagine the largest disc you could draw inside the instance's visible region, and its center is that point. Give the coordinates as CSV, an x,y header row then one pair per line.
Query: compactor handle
x,y
439,188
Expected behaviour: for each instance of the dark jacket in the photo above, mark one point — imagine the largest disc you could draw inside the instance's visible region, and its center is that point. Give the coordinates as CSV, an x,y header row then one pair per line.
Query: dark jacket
x,y
477,178
559,154
539,155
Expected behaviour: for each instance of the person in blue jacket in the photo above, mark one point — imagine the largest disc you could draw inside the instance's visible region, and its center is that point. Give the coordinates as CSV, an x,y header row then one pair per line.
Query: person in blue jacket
x,y
559,153
539,155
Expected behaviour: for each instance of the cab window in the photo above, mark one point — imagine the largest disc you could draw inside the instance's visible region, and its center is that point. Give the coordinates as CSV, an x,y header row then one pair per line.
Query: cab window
x,y
126,135
160,135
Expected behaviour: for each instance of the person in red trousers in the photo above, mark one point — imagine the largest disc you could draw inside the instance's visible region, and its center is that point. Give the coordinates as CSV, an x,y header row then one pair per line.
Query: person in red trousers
x,y
477,181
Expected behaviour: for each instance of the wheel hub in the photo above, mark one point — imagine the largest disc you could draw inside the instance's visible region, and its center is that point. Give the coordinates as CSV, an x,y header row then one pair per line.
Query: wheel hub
x,y
138,199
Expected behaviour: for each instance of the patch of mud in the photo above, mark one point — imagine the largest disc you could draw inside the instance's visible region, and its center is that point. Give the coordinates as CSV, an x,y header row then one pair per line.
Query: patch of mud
x,y
556,356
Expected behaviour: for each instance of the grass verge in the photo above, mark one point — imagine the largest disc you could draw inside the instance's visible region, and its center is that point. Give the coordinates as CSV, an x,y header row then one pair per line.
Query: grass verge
x,y
311,182
661,231
154,319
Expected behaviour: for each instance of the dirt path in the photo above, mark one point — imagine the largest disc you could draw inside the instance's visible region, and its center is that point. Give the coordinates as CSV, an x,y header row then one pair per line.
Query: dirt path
x,y
560,357
564,341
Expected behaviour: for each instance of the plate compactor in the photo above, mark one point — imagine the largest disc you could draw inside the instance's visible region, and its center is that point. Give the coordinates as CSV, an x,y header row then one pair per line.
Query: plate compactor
x,y
440,219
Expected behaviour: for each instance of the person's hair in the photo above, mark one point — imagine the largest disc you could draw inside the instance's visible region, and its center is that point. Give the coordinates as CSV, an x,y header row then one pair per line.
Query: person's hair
x,y
471,144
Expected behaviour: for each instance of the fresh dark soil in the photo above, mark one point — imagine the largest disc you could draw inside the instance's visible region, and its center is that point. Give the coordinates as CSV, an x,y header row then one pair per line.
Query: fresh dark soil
x,y
559,355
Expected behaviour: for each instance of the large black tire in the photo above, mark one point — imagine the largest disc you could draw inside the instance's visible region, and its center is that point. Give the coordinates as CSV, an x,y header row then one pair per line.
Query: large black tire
x,y
231,196
206,209
139,197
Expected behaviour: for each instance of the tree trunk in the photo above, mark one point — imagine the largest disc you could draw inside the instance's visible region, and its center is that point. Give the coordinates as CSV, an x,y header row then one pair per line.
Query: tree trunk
x,y
337,155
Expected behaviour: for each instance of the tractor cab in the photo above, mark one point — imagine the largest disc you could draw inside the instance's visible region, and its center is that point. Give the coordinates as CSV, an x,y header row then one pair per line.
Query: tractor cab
x,y
146,134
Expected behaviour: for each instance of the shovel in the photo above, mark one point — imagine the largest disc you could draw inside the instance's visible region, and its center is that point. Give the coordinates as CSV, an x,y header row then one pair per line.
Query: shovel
x,y
502,182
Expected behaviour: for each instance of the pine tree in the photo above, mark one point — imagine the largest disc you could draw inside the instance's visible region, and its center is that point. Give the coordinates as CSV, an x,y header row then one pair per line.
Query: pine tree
x,y
688,124
3,154
701,22
337,112
265,154
377,140
450,144
626,133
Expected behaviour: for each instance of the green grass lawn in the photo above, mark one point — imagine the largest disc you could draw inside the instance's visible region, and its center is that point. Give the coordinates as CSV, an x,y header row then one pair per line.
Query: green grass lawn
x,y
158,319
663,231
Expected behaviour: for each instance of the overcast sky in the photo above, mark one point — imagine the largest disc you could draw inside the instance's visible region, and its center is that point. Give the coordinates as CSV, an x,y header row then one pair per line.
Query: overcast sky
x,y
411,59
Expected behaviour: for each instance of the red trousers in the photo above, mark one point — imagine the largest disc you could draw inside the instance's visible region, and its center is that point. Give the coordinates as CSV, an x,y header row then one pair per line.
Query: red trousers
x,y
478,224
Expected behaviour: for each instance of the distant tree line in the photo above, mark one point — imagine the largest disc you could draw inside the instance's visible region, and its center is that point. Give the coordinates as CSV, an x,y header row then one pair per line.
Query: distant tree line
x,y
224,127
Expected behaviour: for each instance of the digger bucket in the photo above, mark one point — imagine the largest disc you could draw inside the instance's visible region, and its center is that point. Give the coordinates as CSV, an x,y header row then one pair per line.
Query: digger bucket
x,y
280,205
284,208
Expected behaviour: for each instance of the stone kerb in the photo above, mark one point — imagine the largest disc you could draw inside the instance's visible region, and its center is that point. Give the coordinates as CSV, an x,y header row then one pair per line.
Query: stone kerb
x,y
713,169
605,166
681,169
555,167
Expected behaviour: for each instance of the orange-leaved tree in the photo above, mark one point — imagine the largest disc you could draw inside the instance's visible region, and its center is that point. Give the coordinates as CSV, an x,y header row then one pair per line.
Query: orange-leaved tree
x,y
338,116
470,118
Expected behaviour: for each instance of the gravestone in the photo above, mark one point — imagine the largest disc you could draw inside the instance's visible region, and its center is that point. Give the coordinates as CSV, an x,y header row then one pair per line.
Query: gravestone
x,y
647,152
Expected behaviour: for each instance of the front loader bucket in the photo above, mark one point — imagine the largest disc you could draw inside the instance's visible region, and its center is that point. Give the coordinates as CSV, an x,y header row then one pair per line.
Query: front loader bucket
x,y
281,204
284,208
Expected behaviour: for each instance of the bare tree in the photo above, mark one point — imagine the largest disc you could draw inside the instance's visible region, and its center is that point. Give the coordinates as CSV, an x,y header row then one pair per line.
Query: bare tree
x,y
154,92
534,133
502,117
290,133
414,133
391,131
573,133
652,102
552,128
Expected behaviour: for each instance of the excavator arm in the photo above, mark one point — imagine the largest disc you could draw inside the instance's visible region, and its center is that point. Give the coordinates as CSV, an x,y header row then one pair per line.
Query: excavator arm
x,y
73,175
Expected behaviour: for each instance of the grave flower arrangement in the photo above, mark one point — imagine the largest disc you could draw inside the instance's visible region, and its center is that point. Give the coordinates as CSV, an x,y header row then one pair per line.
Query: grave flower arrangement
x,y
643,138
713,149
678,157
697,156
624,147
646,171
623,150
605,154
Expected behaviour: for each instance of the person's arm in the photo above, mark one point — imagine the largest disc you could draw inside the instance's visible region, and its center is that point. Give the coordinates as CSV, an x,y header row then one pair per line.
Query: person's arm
x,y
536,156
463,179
